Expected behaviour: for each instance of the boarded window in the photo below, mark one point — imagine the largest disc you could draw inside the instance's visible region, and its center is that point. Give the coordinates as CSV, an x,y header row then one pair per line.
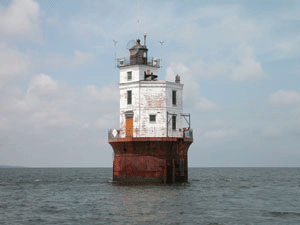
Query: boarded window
x,y
129,75
174,97
152,118
174,122
128,97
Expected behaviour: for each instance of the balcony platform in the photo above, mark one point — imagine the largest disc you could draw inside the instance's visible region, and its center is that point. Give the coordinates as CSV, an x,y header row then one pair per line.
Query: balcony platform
x,y
128,139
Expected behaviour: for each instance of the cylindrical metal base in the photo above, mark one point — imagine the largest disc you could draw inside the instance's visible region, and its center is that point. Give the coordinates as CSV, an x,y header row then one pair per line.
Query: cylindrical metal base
x,y
146,160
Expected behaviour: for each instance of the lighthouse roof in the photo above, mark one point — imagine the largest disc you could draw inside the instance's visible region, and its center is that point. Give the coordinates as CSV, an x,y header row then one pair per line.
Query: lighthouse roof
x,y
138,46
138,56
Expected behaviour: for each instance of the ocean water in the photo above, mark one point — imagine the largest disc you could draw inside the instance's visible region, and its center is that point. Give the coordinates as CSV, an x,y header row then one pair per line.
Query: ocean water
x,y
212,196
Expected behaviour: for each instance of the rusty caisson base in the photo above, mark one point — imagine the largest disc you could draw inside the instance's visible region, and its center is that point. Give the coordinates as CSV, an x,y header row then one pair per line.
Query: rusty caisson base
x,y
150,160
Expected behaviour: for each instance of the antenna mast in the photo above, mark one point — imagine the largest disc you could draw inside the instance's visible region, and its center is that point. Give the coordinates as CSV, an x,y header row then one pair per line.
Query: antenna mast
x,y
145,36
161,50
115,44
138,19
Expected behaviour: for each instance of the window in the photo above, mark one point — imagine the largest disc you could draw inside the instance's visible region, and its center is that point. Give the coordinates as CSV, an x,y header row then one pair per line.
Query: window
x,y
152,118
128,97
174,97
129,75
174,122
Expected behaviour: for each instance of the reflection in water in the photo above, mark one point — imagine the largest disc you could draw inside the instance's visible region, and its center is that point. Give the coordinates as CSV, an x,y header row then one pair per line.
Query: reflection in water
x,y
150,203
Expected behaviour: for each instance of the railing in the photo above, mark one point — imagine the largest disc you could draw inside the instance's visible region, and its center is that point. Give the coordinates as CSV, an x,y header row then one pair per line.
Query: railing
x,y
151,132
138,61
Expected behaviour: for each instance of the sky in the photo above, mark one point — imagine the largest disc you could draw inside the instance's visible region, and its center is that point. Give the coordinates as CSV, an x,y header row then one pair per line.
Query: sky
x,y
239,62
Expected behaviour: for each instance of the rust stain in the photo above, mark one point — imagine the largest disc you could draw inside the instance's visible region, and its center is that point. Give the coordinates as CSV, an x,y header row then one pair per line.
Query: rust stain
x,y
155,160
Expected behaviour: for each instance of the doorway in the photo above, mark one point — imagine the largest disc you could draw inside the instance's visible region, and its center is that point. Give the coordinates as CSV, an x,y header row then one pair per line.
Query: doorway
x,y
129,126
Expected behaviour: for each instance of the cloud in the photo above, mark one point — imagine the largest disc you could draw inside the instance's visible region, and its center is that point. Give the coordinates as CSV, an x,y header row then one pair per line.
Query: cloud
x,y
191,95
249,68
229,51
286,47
77,59
51,123
21,19
219,123
108,93
225,22
219,133
49,103
43,84
242,66
53,21
204,105
13,64
285,97
272,132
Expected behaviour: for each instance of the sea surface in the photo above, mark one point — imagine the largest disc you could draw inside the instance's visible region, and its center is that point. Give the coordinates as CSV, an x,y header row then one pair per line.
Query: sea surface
x,y
88,196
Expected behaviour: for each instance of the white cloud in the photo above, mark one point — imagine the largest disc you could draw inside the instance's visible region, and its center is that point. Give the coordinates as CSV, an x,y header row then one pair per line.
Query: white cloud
x,y
53,124
219,134
53,21
249,68
286,47
21,19
285,97
13,64
219,123
3,121
191,88
177,68
108,93
82,57
17,65
79,58
193,27
48,103
242,66
272,132
204,105
214,68
43,84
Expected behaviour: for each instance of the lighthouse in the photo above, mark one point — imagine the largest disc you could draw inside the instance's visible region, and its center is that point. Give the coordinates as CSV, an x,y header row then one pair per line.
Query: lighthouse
x,y
151,145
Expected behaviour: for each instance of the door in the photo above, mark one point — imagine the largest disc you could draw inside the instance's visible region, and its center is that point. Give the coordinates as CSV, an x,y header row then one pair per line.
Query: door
x,y
129,126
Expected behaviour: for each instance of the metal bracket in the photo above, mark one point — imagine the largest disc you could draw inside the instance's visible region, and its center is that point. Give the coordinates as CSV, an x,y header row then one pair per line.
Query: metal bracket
x,y
187,115
168,121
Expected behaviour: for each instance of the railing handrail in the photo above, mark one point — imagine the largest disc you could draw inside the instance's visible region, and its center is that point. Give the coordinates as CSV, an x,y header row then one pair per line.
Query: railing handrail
x,y
152,132
127,61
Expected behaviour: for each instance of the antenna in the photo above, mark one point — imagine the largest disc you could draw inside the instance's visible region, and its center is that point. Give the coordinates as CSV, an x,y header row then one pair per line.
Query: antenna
x,y
145,36
115,44
161,49
138,19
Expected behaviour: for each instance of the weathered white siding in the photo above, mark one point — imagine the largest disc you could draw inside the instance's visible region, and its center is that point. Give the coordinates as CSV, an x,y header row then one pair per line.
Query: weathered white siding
x,y
137,72
149,98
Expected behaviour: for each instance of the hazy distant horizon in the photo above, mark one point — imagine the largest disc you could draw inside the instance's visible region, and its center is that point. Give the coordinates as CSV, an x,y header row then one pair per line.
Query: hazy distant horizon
x,y
5,166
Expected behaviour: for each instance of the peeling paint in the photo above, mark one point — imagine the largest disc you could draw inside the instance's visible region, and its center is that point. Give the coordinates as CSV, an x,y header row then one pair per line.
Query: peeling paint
x,y
155,152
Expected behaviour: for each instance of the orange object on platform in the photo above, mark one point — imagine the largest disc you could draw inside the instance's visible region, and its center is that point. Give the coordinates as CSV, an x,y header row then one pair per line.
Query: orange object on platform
x,y
129,127
151,145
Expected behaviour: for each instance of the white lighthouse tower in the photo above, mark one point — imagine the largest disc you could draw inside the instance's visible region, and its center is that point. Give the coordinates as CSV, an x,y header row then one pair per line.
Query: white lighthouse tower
x,y
146,102
151,143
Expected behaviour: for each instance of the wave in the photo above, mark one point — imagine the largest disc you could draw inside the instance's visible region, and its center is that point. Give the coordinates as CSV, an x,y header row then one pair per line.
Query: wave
x,y
284,214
